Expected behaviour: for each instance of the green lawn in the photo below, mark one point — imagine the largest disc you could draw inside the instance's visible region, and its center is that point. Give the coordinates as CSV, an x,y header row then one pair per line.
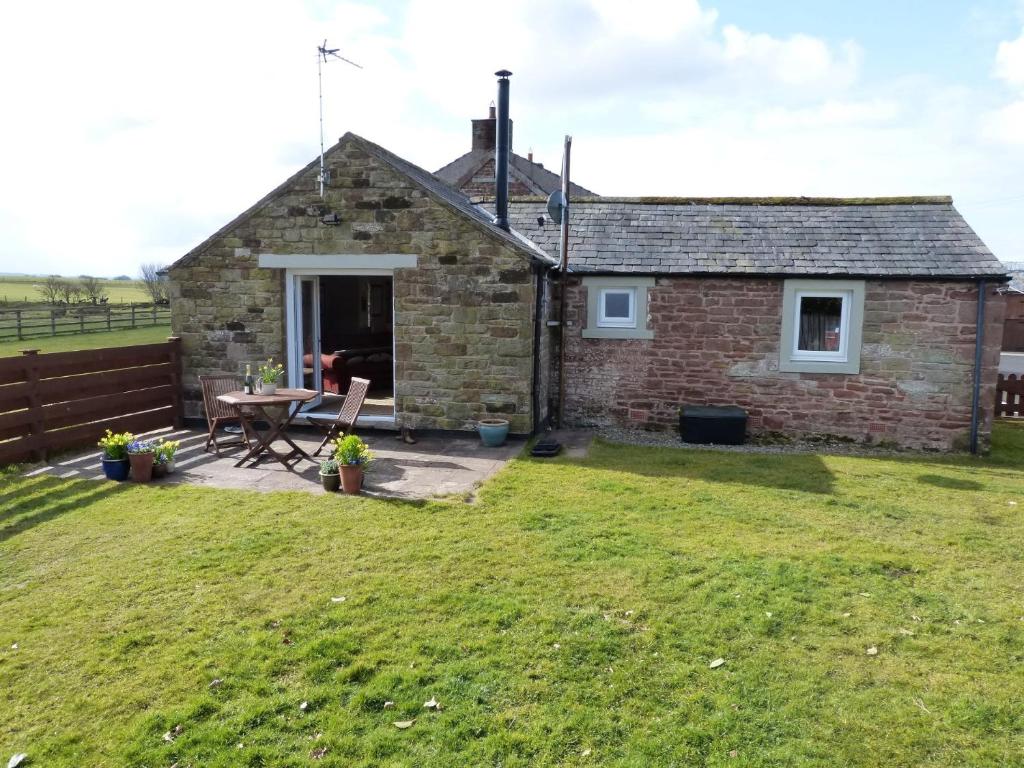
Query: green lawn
x,y
567,617
19,289
148,335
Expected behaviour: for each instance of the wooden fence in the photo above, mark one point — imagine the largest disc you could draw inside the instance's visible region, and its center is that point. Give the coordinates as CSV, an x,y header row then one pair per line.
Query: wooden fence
x,y
19,324
1009,395
63,400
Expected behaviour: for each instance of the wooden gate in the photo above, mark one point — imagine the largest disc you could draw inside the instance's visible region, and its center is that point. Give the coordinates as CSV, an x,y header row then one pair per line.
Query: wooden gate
x,y
1009,395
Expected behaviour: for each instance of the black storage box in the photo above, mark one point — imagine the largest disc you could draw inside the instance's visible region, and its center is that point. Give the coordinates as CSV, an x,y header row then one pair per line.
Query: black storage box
x,y
721,425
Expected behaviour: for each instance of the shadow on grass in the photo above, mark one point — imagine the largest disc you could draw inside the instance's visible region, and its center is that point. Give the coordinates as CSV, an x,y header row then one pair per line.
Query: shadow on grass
x,y
952,483
64,499
803,472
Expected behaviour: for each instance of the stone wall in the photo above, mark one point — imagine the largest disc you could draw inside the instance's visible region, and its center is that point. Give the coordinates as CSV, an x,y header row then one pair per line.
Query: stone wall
x,y
481,185
463,316
716,342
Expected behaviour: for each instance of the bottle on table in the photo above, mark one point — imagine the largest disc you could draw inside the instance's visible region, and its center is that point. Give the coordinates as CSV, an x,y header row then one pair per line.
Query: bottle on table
x,y
247,387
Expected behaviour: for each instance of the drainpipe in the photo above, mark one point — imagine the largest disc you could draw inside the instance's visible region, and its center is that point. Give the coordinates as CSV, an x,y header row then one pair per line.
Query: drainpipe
x,y
979,344
538,324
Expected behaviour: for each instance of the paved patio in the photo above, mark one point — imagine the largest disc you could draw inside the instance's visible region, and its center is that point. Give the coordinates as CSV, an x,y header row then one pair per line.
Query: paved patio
x,y
437,465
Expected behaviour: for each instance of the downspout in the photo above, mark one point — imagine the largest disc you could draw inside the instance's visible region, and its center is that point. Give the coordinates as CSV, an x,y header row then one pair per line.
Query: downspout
x,y
538,320
979,344
563,268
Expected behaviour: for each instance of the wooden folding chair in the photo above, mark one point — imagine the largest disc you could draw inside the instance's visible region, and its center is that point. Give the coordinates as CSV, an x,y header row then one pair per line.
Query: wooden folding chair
x,y
218,413
346,418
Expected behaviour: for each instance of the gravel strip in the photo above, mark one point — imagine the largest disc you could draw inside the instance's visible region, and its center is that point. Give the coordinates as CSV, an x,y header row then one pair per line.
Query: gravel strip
x,y
822,445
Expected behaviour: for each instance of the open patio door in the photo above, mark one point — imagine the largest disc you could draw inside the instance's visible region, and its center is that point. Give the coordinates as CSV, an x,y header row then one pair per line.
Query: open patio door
x,y
304,339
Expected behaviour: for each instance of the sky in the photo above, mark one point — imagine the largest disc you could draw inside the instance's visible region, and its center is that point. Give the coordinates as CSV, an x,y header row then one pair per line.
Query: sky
x,y
131,131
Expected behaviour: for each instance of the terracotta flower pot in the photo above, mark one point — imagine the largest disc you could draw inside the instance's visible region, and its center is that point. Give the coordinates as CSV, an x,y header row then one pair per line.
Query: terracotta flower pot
x,y
159,469
351,477
142,466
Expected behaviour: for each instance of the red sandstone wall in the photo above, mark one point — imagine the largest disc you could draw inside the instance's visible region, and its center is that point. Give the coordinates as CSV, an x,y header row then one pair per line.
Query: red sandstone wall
x,y
717,343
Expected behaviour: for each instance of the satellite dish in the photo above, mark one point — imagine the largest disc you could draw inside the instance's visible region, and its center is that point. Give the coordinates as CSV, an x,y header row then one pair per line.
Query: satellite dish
x,y
557,205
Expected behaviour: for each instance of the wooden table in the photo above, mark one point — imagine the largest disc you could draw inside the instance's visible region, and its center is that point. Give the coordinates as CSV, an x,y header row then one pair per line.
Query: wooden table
x,y
276,410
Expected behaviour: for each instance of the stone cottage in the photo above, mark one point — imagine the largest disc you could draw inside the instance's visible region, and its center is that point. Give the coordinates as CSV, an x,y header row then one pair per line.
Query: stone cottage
x,y
876,320
853,318
391,276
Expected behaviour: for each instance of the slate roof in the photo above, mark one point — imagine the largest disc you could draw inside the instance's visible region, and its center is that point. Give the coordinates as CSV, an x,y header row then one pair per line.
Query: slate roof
x,y
445,194
869,237
427,181
542,181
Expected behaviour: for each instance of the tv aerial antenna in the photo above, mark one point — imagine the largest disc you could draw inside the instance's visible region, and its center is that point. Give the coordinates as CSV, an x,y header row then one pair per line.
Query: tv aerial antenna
x,y
321,58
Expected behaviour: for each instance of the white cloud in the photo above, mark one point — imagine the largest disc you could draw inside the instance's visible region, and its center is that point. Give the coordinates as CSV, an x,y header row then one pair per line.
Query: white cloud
x,y
1006,125
1010,61
134,130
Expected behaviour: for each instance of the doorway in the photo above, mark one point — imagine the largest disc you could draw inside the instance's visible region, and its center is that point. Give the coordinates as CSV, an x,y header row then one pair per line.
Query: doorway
x,y
343,327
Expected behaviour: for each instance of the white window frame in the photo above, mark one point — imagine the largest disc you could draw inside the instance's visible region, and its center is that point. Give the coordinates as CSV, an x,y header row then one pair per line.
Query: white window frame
x,y
847,358
600,327
603,321
823,356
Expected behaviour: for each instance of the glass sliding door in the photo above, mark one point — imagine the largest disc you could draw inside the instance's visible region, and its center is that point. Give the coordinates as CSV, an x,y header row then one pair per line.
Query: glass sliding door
x,y
305,337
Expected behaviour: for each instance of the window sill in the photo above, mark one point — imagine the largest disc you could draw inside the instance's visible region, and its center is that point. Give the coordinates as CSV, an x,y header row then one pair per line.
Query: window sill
x,y
819,366
617,333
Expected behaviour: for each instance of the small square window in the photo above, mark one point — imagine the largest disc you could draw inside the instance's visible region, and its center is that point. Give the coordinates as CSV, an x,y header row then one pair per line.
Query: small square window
x,y
821,325
617,308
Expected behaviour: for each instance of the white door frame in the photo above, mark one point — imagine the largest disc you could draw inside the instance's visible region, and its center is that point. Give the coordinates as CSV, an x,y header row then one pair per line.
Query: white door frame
x,y
293,324
296,350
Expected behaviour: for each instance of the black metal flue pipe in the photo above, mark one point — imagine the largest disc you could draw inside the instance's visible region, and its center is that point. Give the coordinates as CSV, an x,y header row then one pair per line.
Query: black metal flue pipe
x,y
501,152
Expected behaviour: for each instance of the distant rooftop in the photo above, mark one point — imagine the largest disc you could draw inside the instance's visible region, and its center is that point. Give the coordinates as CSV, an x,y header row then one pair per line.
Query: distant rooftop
x,y
473,173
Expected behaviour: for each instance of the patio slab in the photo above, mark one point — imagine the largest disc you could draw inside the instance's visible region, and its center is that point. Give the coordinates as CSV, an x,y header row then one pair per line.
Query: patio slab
x,y
437,465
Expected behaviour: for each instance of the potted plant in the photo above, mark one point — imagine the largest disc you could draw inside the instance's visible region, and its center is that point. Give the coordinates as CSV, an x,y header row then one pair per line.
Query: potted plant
x,y
270,374
159,465
353,457
115,454
329,476
141,454
164,455
493,432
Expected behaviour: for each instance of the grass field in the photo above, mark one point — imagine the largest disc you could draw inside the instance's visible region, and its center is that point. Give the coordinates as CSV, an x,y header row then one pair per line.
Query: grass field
x,y
19,289
868,611
98,340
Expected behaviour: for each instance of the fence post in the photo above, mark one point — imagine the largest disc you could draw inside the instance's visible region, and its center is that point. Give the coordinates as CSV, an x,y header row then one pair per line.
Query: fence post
x,y
154,313
174,346
81,321
108,318
36,435
53,322
17,320
133,314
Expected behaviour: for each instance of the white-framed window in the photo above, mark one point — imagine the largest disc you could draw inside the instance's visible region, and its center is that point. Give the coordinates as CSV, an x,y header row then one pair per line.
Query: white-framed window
x,y
821,326
616,308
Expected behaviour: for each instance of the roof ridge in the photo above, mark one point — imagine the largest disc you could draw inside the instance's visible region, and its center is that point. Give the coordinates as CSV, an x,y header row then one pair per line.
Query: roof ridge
x,y
809,201
448,196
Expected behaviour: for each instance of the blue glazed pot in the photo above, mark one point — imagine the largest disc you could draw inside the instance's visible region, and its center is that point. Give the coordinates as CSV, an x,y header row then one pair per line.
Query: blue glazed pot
x,y
116,469
493,432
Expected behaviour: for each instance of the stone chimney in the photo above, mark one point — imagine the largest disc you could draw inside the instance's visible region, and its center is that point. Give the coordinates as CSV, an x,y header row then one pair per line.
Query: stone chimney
x,y
485,131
